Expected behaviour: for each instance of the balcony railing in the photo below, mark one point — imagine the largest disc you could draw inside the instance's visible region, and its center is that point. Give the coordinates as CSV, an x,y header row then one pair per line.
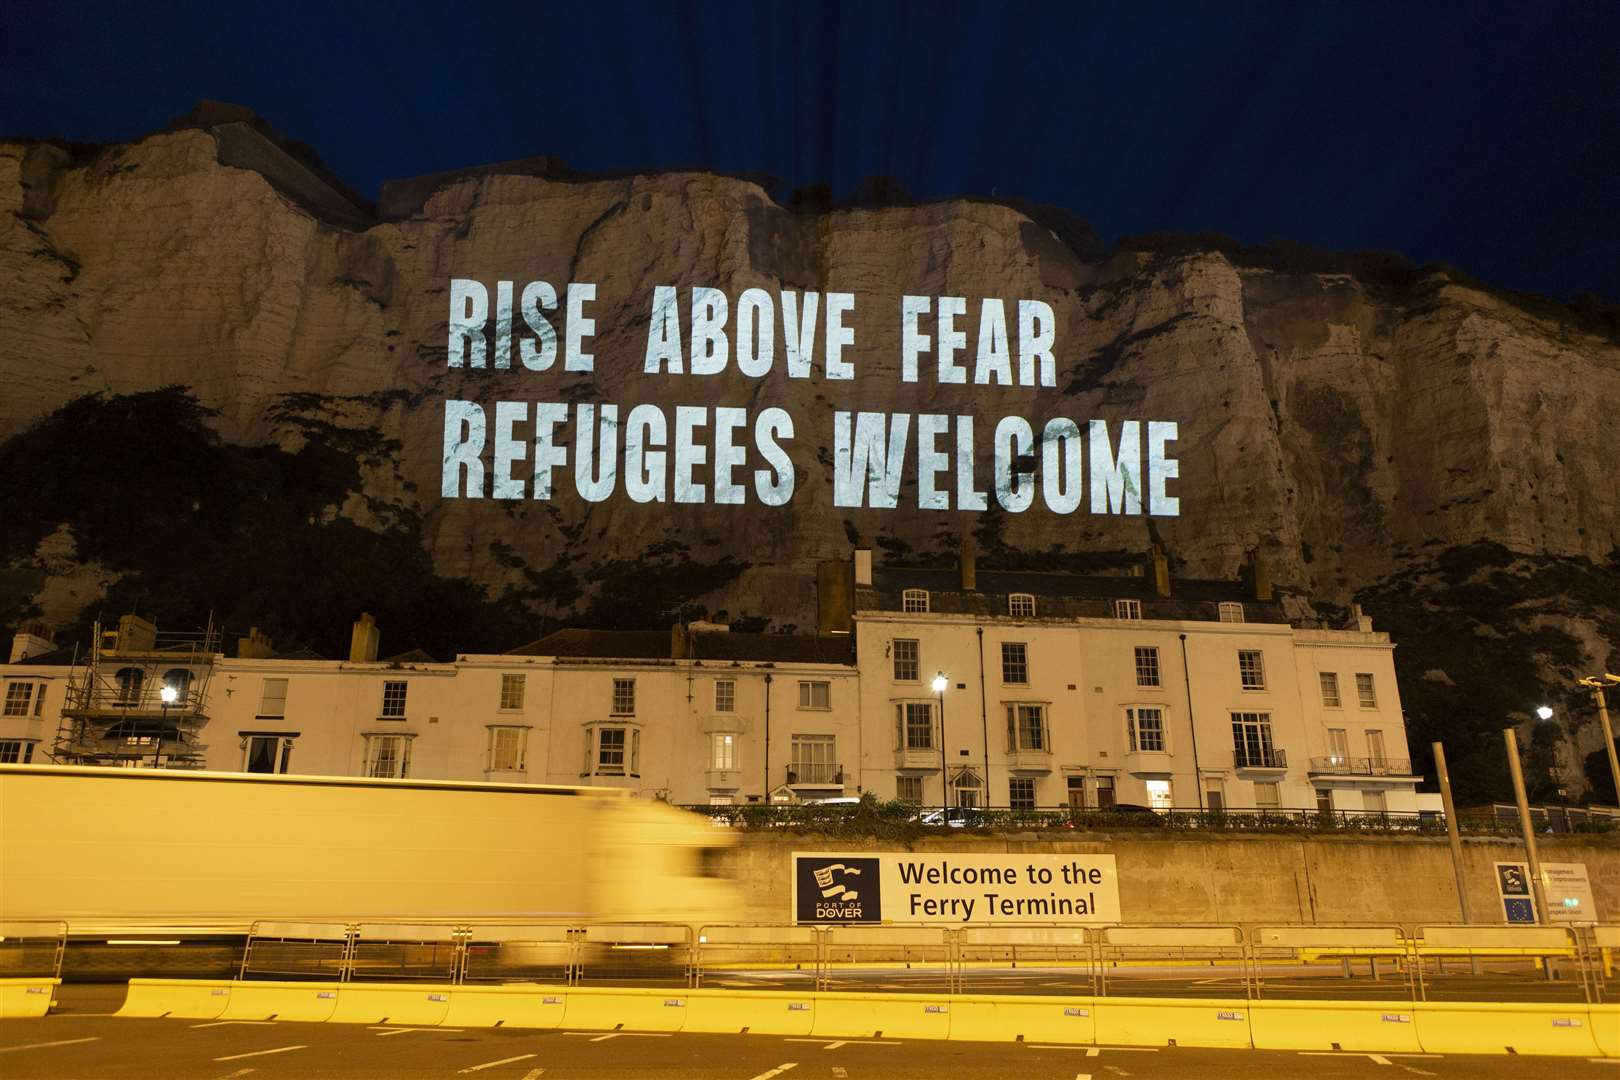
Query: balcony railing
x,y
1349,766
1259,758
815,774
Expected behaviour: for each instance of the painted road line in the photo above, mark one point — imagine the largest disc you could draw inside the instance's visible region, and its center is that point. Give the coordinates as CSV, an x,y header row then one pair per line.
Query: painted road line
x,y
382,1031
262,1053
778,1071
1414,1069
627,1034
43,1045
1378,1059
840,1071
492,1064
236,1074
533,1074
228,1023
1117,1071
1082,1076
832,1044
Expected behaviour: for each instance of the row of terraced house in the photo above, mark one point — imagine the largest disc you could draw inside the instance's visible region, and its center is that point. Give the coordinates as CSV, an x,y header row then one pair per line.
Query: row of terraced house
x,y
978,688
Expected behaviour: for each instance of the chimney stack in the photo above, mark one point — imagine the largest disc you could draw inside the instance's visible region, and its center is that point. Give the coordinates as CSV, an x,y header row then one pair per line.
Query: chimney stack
x,y
255,646
1161,570
835,593
969,564
31,640
677,641
1259,575
863,563
364,641
1363,622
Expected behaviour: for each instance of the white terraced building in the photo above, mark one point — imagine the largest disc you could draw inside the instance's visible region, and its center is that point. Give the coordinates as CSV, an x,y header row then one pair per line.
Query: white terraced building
x,y
1058,690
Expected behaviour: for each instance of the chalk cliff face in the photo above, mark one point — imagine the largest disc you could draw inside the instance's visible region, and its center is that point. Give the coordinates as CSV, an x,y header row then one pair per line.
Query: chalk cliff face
x,y
1409,439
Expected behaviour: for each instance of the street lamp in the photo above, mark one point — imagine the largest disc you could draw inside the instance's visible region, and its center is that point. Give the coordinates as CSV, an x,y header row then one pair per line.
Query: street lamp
x,y
1544,712
168,694
1596,684
939,685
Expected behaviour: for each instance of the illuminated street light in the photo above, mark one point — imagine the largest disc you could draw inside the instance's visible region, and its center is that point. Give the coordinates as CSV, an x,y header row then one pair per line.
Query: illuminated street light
x,y
1596,684
1544,712
169,695
939,684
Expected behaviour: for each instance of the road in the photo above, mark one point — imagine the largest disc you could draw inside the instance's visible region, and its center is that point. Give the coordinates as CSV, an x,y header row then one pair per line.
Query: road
x,y
83,1043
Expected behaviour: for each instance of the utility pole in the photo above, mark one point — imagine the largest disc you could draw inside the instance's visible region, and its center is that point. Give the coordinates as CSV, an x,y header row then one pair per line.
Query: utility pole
x,y
1596,684
1455,838
1526,826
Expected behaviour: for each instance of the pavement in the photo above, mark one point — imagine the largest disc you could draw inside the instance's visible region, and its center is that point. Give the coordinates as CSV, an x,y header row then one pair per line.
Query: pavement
x,y
82,1042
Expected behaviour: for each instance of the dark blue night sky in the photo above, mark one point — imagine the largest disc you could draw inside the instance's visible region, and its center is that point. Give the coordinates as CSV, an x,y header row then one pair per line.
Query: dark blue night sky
x,y
1482,135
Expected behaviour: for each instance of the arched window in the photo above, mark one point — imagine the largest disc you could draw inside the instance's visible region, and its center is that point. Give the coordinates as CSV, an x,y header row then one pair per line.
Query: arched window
x,y
178,680
1021,605
129,685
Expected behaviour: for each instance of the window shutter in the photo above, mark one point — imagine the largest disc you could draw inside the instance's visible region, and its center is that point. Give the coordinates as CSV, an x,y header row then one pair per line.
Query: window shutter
x,y
1012,729
590,747
635,750
900,727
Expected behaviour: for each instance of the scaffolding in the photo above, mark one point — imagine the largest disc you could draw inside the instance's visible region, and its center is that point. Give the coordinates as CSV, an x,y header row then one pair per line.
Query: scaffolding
x,y
138,700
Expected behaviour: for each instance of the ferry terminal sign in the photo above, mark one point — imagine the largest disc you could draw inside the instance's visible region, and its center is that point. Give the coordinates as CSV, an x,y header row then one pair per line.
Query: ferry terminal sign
x,y
951,889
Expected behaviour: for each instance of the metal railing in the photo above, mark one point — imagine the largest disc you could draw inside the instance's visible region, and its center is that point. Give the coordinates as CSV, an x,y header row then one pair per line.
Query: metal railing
x,y
816,772
1349,766
1259,757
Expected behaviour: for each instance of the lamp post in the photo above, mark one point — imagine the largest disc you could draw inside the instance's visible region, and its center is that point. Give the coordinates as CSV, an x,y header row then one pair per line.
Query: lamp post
x,y
168,694
1596,684
939,684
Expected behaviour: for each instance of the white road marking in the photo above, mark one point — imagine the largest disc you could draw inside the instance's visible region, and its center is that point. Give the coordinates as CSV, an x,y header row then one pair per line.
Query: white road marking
x,y
1414,1069
845,1042
616,1034
244,1023
1116,1070
383,1031
840,1071
778,1071
1091,1051
262,1053
1604,1061
533,1074
43,1045
492,1064
1377,1059
1082,1076
234,1075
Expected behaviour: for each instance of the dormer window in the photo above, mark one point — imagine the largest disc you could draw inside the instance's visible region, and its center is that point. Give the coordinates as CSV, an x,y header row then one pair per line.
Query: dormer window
x,y
914,600
1231,612
1021,605
1127,609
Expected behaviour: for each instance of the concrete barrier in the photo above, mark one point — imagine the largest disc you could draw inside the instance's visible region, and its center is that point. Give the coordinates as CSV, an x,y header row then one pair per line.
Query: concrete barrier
x,y
1178,1021
315,1002
1606,1028
24,999
893,1016
1370,1026
986,1018
513,1005
1482,1028
763,1012
634,1009
412,1004
184,999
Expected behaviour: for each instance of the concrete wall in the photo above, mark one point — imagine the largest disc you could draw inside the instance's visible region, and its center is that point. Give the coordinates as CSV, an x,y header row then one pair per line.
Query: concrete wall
x,y
1242,879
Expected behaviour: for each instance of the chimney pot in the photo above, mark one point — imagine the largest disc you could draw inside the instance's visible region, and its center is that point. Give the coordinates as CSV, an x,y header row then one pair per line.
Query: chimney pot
x,y
364,640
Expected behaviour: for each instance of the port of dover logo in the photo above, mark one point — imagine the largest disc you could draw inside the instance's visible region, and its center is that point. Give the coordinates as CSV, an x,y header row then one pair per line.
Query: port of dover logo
x,y
838,889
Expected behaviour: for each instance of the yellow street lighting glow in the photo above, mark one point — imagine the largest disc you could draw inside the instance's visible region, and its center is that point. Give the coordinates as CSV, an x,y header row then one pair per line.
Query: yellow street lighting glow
x,y
140,941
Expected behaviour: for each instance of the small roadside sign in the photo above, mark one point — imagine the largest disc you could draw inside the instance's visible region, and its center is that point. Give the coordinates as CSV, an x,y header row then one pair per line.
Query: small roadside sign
x,y
1513,889
1569,893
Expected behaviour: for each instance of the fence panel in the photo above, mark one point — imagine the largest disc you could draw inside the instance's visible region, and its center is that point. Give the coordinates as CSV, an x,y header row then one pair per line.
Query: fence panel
x,y
915,959
32,949
634,954
1040,960
406,952
1172,961
1363,963
519,952
1499,964
298,951
758,957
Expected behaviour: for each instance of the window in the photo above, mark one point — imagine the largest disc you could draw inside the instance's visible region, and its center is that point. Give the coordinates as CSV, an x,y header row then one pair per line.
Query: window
x,y
273,698
725,695
178,680
1324,801
1077,792
1365,692
16,751
610,748
1231,612
914,600
1373,802
1146,730
1251,741
624,697
908,789
512,687
967,787
1014,662
720,800
266,753
1252,669
907,660
1338,747
1159,797
815,695
508,747
388,755
19,696
1266,795
1215,794
129,685
1105,792
1127,609
1375,748
723,750
1021,605
1330,689
916,721
815,760
1147,665
393,700
1026,727
1021,793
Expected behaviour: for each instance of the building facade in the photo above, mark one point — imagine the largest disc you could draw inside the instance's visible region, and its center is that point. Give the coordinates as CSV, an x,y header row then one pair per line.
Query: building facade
x,y
983,689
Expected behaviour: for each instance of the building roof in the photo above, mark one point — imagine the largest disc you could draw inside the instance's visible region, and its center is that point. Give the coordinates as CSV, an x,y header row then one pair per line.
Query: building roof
x,y
60,657
660,645
1061,595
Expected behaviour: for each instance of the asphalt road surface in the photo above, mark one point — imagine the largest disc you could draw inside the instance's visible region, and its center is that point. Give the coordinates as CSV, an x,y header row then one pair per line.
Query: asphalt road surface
x,y
83,1043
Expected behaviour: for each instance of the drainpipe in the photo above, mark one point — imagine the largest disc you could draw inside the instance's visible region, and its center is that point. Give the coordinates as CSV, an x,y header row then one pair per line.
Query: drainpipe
x,y
1198,776
766,793
984,721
